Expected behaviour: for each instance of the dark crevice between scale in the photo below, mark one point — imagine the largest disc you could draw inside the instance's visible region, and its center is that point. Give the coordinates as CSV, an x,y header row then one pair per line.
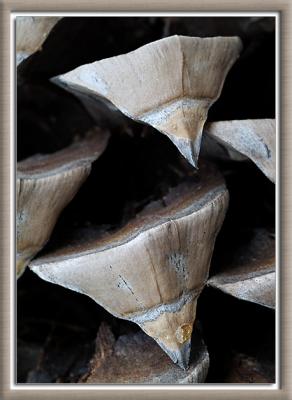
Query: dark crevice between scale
x,y
56,328
48,119
137,169
56,331
249,89
238,334
81,40
251,208
139,166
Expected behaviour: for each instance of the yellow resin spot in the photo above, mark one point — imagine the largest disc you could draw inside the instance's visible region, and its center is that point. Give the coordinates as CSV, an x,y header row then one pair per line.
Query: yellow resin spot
x,y
184,333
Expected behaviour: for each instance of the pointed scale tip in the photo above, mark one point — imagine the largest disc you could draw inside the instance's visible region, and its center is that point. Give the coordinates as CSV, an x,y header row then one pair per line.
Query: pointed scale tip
x,y
180,356
172,330
183,355
190,149
182,121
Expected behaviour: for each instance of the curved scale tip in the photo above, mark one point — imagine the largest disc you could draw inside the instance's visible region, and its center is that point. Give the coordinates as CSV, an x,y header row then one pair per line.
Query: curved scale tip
x,y
190,149
173,331
180,356
182,121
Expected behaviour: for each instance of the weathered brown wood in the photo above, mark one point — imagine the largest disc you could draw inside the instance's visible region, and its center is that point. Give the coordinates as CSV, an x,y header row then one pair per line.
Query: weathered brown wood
x,y
248,369
135,358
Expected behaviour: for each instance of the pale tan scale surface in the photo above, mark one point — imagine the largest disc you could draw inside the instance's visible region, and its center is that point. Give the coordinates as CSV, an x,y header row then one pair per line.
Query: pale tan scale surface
x,y
76,155
162,256
39,203
255,139
152,270
31,32
251,275
169,84
259,289
45,185
173,330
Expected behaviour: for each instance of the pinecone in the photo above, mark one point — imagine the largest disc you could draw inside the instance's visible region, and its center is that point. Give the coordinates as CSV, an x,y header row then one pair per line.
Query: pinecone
x,y
146,186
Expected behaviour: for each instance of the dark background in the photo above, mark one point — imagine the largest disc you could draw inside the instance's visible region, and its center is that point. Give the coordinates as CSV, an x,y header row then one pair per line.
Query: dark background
x,y
56,328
